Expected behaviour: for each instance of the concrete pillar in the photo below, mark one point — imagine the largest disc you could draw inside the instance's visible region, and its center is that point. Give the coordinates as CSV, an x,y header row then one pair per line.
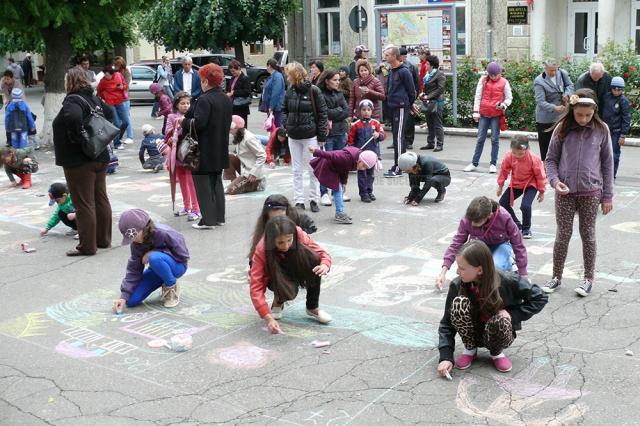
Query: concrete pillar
x,y
538,29
606,22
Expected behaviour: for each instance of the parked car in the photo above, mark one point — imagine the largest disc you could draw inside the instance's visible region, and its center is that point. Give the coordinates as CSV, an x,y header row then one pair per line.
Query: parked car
x,y
176,64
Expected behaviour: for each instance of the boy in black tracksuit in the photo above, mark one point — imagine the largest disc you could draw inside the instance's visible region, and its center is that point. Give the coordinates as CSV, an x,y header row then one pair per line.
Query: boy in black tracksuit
x,y
427,169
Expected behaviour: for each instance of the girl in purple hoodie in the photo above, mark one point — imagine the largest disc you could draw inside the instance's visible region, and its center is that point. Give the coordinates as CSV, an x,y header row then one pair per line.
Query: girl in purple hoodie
x,y
580,168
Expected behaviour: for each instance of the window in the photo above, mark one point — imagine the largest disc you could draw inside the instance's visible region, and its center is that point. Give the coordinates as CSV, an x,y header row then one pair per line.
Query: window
x,y
142,73
461,30
256,48
329,28
635,28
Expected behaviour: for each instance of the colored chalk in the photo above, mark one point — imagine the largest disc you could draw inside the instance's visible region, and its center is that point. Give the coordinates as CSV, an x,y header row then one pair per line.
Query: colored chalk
x,y
320,343
156,343
447,375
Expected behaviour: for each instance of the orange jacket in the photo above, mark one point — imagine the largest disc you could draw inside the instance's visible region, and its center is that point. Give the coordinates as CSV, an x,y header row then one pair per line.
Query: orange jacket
x,y
259,276
526,171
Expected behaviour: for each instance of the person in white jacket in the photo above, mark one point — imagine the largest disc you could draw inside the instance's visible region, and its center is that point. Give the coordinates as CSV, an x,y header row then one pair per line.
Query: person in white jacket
x,y
246,164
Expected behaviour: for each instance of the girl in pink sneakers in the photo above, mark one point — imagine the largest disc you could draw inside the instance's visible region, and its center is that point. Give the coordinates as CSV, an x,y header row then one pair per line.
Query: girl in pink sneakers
x,y
485,307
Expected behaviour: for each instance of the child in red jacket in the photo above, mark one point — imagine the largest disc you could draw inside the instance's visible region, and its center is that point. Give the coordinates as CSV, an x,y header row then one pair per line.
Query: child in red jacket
x,y
278,147
527,177
284,260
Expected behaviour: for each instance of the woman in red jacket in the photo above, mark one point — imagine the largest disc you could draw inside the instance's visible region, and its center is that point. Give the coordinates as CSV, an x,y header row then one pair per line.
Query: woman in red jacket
x,y
366,86
284,260
112,89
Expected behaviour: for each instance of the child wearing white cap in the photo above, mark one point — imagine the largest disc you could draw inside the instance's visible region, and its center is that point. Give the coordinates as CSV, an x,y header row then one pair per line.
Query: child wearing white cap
x,y
149,144
616,112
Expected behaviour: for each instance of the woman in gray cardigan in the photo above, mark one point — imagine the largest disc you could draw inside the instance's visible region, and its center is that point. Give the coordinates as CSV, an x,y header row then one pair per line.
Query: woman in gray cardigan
x,y
552,88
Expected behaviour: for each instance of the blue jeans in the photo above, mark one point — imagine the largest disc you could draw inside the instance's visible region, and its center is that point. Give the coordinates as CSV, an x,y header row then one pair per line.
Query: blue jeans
x,y
615,140
502,254
483,125
525,205
337,199
333,143
154,109
127,105
19,140
163,269
120,120
264,139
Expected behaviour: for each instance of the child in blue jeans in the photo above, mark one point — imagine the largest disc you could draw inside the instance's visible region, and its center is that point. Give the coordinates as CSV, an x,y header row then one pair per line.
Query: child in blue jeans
x,y
19,120
161,249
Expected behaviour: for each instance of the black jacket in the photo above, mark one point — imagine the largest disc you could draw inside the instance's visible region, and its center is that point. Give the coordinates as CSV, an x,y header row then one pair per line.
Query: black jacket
x,y
429,166
415,74
520,298
67,127
337,112
211,115
242,89
601,87
300,119
434,89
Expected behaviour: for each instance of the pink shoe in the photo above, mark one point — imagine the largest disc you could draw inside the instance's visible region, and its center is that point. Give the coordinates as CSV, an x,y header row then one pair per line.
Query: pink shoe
x,y
502,364
464,361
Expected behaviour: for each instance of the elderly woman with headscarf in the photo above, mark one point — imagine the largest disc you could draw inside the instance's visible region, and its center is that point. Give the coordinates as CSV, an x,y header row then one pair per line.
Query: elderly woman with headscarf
x,y
209,121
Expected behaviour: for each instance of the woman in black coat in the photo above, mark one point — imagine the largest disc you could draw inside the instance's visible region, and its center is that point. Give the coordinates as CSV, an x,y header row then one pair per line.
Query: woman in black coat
x,y
86,178
239,91
209,118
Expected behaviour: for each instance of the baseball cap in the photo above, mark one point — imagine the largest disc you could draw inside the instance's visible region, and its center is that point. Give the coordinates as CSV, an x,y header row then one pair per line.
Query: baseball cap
x,y
131,223
56,190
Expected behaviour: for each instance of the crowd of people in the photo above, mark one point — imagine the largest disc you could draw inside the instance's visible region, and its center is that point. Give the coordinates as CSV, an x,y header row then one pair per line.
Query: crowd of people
x,y
328,123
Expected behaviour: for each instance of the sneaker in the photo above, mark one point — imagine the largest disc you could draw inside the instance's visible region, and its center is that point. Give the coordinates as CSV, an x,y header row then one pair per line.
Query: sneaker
x,y
345,198
199,225
366,198
193,216
276,312
170,295
120,147
300,206
313,206
182,212
157,168
502,364
470,168
493,169
584,289
552,285
373,197
438,148
343,219
76,237
71,232
393,174
464,361
428,146
325,200
322,317
527,235
128,141
440,195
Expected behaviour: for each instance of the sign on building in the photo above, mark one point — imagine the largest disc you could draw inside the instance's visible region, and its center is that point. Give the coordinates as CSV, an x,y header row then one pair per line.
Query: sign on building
x,y
517,15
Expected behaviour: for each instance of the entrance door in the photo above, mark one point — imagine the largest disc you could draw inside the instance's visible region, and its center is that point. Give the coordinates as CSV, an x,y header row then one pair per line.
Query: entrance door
x,y
583,28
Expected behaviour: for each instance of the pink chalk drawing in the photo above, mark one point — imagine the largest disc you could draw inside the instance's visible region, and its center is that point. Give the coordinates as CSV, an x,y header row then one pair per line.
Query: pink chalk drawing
x,y
242,355
85,343
521,395
75,350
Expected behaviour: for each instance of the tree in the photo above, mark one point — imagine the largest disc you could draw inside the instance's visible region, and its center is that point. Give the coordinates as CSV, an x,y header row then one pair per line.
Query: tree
x,y
214,24
58,28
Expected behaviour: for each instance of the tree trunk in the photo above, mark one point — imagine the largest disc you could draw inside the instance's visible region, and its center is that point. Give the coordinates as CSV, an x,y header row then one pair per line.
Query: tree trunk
x,y
239,47
57,53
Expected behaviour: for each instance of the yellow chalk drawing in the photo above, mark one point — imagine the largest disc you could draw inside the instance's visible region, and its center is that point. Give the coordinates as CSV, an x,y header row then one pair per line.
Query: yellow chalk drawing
x,y
29,325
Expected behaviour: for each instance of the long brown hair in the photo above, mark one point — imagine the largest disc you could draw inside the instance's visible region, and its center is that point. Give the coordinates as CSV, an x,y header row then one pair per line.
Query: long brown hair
x,y
269,203
477,254
77,80
480,207
567,121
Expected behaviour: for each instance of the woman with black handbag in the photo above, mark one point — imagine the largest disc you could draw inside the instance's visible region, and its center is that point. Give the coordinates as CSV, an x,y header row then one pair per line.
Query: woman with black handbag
x,y
239,91
432,98
86,176
208,121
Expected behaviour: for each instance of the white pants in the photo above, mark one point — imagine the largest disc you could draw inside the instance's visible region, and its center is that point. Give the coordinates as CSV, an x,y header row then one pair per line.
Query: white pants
x,y
300,157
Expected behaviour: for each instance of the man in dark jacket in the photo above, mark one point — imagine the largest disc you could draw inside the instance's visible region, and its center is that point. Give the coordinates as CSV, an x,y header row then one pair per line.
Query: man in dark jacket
x,y
27,68
596,79
427,169
401,92
410,134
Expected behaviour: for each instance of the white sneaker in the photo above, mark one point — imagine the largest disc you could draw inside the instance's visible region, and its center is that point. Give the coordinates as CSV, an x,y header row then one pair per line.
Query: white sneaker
x,y
128,141
493,169
120,147
325,200
322,317
470,168
198,226
345,198
276,312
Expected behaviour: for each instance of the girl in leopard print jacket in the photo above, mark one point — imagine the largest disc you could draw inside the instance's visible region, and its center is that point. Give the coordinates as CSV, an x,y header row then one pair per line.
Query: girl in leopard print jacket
x,y
485,307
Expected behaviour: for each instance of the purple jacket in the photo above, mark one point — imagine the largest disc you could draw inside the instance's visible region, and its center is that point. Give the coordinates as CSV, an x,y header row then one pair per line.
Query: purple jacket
x,y
583,162
333,167
500,228
166,240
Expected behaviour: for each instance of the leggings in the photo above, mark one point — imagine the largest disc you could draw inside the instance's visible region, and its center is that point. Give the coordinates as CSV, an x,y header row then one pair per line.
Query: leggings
x,y
497,334
566,208
188,190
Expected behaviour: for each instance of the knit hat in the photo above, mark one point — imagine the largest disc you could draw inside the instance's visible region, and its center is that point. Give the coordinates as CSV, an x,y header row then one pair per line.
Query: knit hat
x,y
370,158
56,190
494,68
147,129
237,122
131,224
407,160
615,82
345,69
16,93
365,103
155,88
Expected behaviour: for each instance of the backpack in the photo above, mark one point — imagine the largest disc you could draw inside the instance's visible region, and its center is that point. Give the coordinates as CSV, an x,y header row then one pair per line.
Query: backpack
x,y
18,120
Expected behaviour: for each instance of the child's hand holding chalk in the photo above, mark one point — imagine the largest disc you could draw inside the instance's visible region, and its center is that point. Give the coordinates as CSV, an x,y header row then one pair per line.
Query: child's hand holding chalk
x,y
118,306
444,368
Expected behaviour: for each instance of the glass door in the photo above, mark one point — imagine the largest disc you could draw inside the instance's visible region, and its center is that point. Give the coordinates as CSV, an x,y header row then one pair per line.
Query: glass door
x,y
583,29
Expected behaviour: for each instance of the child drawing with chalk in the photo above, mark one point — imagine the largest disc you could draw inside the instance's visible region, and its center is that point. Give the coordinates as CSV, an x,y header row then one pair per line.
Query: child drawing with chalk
x,y
65,212
159,256
485,307
284,260
580,168
487,221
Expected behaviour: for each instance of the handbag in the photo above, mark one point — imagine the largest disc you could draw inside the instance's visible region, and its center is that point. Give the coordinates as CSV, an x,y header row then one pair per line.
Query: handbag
x,y
241,101
97,131
268,123
429,107
189,151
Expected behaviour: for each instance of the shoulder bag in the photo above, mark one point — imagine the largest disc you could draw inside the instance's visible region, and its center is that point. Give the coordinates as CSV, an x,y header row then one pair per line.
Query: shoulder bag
x,y
189,152
97,131
240,101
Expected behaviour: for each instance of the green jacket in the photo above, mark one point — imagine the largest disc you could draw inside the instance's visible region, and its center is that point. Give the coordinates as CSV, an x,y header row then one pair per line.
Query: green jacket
x,y
66,207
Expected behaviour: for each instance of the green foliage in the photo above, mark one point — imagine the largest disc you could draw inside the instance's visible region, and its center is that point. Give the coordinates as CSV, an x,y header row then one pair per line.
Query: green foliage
x,y
335,62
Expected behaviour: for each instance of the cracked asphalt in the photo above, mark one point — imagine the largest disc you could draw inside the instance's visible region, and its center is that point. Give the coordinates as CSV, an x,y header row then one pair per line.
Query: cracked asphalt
x,y
65,359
